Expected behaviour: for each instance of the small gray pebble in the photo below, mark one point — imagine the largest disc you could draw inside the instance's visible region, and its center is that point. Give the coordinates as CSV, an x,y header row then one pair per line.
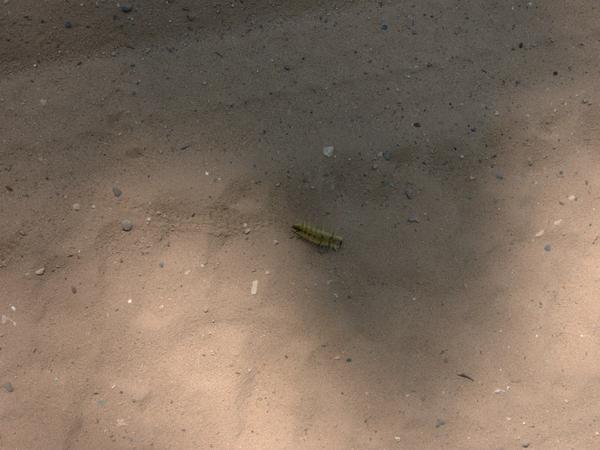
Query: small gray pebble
x,y
413,218
126,7
409,191
387,155
500,176
68,24
161,264
8,387
117,191
126,225
440,423
547,247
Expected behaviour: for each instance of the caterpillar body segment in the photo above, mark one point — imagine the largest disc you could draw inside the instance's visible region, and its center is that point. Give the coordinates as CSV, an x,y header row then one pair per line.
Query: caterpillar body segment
x,y
317,236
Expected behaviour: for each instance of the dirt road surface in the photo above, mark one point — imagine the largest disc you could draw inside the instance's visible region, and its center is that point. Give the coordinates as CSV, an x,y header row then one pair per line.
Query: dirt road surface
x,y
461,312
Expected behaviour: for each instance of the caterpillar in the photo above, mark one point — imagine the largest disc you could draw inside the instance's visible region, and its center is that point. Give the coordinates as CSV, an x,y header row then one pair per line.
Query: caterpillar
x,y
317,236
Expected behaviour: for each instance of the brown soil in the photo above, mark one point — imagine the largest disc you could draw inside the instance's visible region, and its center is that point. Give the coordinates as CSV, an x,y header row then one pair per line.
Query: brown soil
x,y
460,312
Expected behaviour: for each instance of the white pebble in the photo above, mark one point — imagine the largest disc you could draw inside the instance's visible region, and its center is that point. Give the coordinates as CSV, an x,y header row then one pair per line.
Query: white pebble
x,y
254,289
328,151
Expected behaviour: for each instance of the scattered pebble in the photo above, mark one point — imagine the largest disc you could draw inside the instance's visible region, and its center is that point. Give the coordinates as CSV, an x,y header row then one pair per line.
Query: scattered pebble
x,y
440,423
539,233
40,271
387,155
76,206
68,24
384,27
500,391
254,289
557,222
417,125
547,247
499,176
413,218
118,192
161,264
126,8
410,191
8,387
525,445
73,289
572,198
126,225
328,151
129,301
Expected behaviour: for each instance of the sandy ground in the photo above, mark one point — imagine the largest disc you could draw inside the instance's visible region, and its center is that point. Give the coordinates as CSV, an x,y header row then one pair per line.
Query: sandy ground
x,y
462,310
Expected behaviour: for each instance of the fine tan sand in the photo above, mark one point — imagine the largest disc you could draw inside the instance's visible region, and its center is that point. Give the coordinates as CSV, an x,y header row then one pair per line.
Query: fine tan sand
x,y
462,311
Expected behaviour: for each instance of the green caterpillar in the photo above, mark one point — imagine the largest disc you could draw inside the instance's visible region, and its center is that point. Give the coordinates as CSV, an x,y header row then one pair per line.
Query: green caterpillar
x,y
318,237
